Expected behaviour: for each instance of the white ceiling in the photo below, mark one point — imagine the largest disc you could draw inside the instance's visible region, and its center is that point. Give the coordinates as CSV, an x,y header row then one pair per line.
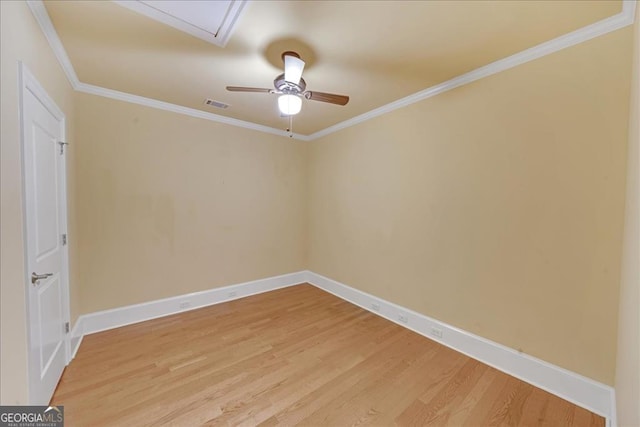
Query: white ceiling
x,y
383,54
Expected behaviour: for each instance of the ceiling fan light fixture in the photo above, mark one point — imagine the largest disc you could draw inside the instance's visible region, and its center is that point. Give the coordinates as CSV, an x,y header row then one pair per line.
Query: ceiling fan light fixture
x,y
291,88
289,105
293,67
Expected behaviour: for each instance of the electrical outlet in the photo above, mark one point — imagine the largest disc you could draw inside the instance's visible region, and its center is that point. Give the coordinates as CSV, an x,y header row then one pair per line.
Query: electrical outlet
x,y
436,332
375,306
185,304
232,294
403,318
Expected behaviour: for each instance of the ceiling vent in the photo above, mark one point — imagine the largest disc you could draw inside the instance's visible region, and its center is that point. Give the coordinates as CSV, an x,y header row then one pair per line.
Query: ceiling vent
x,y
216,104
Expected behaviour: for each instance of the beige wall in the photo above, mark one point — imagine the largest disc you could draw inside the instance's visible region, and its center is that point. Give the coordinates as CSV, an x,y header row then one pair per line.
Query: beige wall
x,y
628,364
22,40
496,207
170,204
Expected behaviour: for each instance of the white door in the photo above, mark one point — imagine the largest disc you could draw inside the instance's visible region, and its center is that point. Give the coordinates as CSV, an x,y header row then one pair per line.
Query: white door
x,y
43,127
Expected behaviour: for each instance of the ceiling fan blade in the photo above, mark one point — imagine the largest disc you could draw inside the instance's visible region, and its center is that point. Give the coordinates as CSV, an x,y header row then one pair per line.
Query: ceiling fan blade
x,y
248,89
326,97
293,67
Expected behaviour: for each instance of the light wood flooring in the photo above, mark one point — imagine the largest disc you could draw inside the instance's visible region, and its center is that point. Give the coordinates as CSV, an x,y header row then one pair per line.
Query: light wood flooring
x,y
293,356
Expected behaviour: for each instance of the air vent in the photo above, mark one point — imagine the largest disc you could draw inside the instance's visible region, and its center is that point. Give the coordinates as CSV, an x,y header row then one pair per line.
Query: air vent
x,y
216,104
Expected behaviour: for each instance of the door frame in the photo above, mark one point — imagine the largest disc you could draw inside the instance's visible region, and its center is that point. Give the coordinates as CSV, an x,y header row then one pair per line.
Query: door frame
x,y
27,82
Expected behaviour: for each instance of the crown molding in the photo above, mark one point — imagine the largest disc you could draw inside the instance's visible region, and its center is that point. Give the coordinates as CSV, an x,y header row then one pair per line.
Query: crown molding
x,y
192,112
607,25
620,20
42,16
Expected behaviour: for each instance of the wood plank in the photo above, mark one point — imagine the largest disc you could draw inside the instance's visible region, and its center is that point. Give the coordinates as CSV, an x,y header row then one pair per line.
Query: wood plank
x,y
292,356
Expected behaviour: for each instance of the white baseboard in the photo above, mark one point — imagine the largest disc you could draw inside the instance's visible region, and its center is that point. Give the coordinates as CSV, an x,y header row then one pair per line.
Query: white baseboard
x,y
121,316
583,391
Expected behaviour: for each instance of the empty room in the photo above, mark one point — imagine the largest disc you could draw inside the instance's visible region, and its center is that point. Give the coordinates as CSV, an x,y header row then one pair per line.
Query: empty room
x,y
320,213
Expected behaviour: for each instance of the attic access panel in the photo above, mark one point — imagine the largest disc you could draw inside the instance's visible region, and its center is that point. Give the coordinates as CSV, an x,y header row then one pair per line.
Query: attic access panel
x,y
212,21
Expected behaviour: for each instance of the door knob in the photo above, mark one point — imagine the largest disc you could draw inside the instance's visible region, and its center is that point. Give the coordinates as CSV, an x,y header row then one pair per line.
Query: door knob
x,y
35,277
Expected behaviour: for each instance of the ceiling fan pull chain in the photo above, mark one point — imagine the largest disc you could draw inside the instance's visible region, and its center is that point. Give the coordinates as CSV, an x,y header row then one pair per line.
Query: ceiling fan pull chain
x,y
290,130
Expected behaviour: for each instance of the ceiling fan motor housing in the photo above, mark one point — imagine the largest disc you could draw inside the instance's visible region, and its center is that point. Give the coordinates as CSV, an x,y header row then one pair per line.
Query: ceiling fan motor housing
x,y
287,87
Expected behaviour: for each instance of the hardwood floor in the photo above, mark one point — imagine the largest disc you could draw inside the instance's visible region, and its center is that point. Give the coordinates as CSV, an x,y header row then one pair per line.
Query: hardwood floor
x,y
293,356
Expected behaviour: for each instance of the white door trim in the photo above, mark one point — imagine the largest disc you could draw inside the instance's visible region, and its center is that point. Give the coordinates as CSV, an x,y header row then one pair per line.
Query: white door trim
x,y
27,82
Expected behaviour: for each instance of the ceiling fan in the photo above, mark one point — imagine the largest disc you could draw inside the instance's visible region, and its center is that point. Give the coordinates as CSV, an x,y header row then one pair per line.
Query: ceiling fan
x,y
292,88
